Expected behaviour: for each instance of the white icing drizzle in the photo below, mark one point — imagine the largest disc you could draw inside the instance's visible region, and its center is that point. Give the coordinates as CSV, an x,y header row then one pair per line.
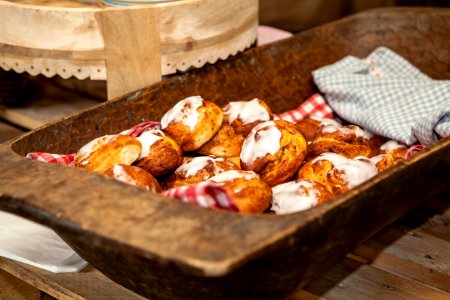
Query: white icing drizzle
x,y
198,163
184,111
354,171
377,159
147,139
359,132
121,175
232,175
330,129
326,121
247,111
291,197
362,132
87,149
391,145
268,142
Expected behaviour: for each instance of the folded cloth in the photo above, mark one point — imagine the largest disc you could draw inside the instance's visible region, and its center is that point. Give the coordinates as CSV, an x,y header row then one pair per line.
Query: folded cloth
x,y
387,95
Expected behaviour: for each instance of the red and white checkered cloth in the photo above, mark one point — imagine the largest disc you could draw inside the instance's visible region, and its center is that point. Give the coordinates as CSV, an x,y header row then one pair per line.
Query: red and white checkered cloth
x,y
316,105
65,159
208,194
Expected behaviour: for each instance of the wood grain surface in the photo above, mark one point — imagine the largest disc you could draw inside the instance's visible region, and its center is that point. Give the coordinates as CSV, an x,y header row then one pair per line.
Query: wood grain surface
x,y
150,245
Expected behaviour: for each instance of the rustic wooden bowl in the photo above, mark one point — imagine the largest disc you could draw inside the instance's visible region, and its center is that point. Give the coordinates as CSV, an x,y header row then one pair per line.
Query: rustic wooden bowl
x,y
170,250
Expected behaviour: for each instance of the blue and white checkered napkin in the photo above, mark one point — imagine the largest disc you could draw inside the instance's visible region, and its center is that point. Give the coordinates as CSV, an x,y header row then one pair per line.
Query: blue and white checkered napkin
x,y
384,93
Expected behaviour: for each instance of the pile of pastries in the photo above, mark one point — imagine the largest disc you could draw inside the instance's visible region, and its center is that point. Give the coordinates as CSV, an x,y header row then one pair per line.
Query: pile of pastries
x,y
265,165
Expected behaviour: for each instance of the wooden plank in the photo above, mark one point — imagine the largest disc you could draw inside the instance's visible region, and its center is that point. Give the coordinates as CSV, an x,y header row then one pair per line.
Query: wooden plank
x,y
48,104
135,62
417,246
403,267
87,284
350,279
301,294
8,132
13,288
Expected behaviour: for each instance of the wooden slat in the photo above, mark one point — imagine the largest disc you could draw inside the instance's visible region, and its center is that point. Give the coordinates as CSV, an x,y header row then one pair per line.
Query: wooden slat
x,y
13,288
126,72
417,246
304,295
87,284
48,104
353,280
8,132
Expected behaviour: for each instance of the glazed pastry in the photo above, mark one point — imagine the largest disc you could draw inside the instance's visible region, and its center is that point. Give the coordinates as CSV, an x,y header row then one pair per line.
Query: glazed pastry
x,y
298,195
380,161
104,152
337,172
160,154
238,120
394,148
275,150
310,126
134,176
250,194
198,169
192,122
350,141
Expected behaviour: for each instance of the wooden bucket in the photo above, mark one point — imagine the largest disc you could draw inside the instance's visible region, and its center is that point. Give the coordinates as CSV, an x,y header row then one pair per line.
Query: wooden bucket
x,y
129,47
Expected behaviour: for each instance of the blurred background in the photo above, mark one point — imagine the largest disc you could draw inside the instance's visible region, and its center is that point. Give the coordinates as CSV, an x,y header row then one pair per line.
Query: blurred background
x,y
297,15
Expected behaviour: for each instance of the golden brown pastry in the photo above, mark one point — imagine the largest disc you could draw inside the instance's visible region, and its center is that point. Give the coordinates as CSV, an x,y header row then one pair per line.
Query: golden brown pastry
x,y
309,126
160,154
250,194
298,195
394,148
134,176
104,152
226,143
239,118
192,122
198,169
350,141
380,161
275,150
337,172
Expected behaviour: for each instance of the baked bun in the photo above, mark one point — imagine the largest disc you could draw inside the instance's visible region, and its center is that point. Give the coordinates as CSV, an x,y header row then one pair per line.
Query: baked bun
x,y
134,176
160,154
298,195
309,126
350,141
239,118
250,194
394,148
192,122
102,153
337,172
197,169
380,161
275,150
226,143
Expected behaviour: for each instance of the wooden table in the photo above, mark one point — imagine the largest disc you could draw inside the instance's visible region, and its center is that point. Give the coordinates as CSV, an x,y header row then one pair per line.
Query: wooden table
x,y
410,259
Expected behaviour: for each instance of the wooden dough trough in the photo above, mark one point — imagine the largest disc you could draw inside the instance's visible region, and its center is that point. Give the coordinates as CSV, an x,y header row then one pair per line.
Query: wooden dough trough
x,y
165,249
